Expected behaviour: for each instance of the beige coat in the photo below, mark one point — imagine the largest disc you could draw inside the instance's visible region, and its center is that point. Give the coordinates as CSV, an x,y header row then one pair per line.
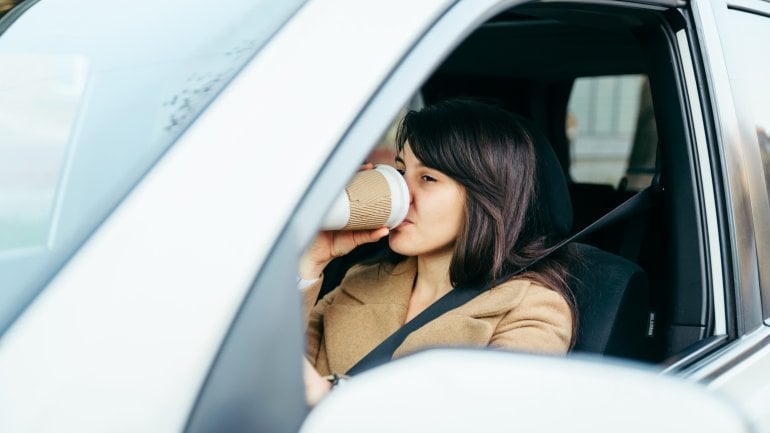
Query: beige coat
x,y
371,304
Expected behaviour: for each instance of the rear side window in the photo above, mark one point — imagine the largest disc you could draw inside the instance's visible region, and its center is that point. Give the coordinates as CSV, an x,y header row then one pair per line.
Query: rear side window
x,y
611,127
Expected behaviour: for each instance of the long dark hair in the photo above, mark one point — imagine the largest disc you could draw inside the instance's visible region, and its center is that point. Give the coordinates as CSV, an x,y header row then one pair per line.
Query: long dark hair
x,y
491,154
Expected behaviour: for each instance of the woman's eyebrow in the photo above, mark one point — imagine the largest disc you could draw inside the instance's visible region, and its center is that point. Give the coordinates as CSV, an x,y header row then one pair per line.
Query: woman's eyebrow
x,y
400,160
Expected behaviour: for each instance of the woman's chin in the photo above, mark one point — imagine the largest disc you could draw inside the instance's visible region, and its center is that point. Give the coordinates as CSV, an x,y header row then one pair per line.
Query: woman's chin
x,y
399,246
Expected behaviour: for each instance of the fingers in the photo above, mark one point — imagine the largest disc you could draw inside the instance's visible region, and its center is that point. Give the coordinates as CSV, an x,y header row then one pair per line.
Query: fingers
x,y
331,244
344,242
361,237
368,236
380,233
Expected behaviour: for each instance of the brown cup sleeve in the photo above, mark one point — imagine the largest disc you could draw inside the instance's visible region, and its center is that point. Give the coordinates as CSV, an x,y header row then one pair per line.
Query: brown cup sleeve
x,y
370,203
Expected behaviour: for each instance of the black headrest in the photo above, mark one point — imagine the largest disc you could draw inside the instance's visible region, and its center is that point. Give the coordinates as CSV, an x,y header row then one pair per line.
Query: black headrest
x,y
552,185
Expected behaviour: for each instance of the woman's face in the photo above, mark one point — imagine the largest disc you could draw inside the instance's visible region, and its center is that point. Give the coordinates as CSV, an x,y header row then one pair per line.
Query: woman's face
x,y
436,210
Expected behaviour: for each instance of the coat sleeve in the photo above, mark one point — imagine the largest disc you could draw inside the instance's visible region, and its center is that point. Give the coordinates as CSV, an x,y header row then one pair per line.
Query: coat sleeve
x,y
313,317
541,323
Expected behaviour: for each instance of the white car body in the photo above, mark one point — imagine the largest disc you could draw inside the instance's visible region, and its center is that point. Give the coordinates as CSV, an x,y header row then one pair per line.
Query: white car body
x,y
123,338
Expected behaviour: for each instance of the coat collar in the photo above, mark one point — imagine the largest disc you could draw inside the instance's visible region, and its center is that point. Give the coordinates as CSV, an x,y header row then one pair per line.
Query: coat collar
x,y
376,285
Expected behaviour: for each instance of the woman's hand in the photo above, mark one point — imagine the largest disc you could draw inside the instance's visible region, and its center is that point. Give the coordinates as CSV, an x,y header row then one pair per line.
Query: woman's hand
x,y
331,244
316,387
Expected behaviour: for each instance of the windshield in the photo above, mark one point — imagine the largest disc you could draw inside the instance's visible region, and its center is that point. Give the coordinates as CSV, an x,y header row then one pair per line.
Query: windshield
x,y
91,94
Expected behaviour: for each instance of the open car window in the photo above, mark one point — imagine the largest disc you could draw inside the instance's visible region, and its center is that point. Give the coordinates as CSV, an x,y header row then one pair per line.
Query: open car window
x,y
611,116
599,82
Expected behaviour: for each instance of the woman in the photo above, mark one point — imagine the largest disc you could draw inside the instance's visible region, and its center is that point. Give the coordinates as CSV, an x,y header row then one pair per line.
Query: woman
x,y
474,216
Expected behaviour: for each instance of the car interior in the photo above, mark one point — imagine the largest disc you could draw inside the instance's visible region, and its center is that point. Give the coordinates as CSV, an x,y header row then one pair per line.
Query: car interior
x,y
643,292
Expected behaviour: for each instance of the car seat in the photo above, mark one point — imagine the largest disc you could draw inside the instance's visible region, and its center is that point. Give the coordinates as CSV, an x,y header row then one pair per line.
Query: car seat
x,y
612,293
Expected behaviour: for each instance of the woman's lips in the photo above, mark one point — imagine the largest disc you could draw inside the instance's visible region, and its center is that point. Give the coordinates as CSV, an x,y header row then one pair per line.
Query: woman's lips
x,y
405,222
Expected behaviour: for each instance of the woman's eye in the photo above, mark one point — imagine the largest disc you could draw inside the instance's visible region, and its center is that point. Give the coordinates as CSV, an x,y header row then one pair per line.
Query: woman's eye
x,y
401,170
427,178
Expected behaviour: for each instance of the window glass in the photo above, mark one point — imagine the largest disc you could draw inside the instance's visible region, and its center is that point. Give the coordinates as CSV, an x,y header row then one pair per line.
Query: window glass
x,y
91,94
612,133
36,119
748,67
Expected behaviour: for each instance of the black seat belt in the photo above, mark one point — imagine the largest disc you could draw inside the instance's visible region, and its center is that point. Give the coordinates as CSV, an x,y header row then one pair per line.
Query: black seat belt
x,y
633,234
458,296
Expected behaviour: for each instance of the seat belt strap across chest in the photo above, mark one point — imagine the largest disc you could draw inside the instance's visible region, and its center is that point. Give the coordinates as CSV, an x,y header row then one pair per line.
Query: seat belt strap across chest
x,y
383,353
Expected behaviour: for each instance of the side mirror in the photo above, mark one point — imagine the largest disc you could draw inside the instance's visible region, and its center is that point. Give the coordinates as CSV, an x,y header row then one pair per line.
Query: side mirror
x,y
454,390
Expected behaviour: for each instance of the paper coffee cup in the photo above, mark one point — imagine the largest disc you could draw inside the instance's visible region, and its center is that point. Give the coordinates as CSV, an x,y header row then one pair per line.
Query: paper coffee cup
x,y
372,199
